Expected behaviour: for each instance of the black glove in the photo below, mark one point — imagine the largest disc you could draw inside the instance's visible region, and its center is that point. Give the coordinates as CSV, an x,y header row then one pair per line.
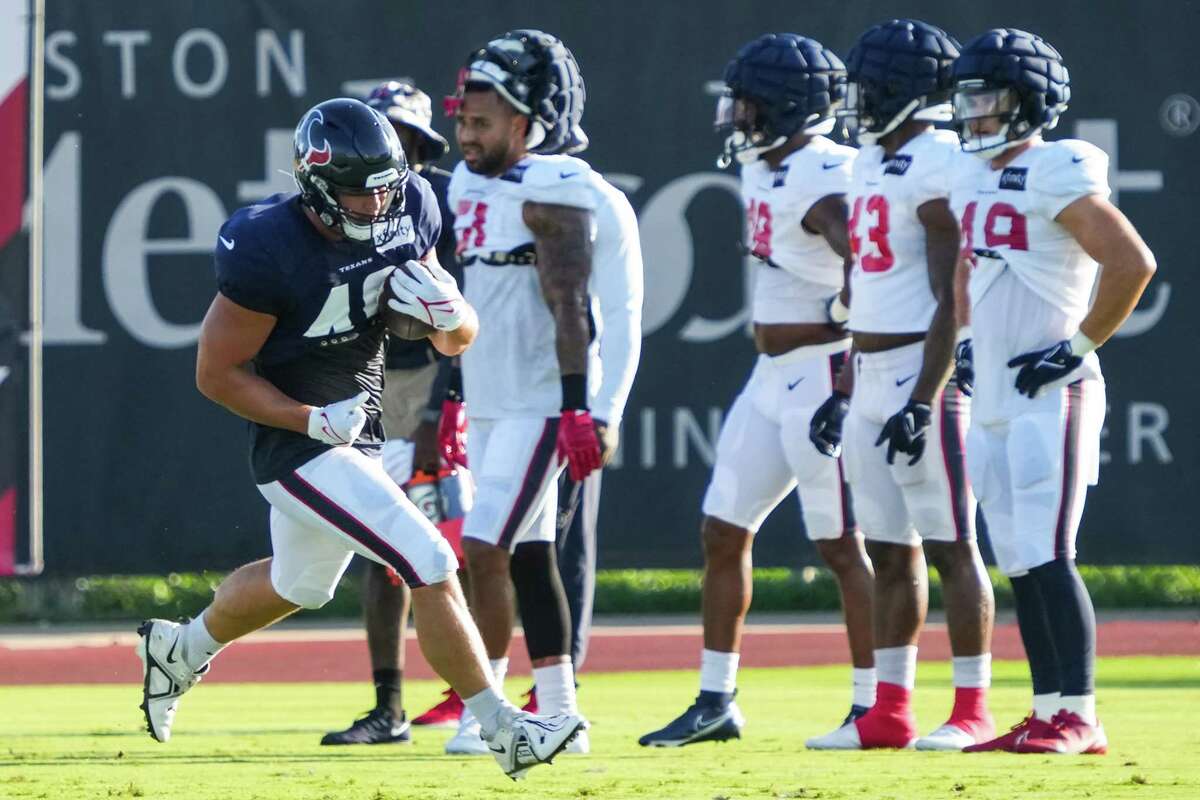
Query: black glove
x,y
964,367
905,432
825,430
1044,366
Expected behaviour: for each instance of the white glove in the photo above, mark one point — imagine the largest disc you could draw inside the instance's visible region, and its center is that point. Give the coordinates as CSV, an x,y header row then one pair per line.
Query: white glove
x,y
339,423
431,295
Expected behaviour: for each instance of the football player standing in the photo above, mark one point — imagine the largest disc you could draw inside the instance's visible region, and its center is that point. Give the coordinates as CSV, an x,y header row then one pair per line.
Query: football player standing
x,y
783,91
902,314
294,344
1036,219
525,225
423,429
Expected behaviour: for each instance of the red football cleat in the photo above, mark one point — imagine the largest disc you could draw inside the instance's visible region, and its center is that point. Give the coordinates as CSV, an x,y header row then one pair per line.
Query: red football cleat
x,y
445,714
531,704
890,722
1067,734
1030,726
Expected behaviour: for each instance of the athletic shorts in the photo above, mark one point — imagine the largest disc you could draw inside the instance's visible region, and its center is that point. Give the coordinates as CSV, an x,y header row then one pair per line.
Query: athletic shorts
x,y
340,503
1031,474
516,473
763,451
896,503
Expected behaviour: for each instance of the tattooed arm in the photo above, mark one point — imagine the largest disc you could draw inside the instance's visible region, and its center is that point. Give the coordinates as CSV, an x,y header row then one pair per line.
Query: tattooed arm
x,y
563,239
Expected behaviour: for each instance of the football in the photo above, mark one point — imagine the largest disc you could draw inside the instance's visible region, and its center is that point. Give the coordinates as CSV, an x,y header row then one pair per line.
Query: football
x,y
403,326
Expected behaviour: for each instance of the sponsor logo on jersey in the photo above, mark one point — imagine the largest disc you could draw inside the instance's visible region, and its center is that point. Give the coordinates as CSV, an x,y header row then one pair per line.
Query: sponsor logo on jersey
x,y
516,174
897,165
1013,178
779,177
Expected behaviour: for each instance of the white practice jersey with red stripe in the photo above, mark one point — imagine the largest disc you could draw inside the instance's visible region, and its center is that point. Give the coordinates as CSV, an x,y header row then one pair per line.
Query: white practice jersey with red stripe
x,y
889,283
1031,283
511,369
797,270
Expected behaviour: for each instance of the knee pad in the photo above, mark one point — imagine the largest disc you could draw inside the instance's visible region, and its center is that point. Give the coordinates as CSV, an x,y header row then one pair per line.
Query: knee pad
x,y
541,600
310,586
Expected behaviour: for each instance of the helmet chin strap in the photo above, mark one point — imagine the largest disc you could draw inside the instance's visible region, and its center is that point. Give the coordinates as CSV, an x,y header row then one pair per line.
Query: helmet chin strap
x,y
992,146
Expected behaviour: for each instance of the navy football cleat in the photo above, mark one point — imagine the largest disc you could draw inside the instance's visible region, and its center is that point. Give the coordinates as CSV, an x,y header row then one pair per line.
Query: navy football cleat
x,y
377,726
702,722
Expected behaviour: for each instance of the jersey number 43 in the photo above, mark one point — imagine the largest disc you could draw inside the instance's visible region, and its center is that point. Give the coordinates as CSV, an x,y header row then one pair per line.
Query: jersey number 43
x,y
879,257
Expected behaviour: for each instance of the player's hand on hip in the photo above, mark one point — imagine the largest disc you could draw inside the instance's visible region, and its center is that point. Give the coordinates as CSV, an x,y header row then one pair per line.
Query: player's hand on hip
x,y
578,445
610,438
905,430
1041,367
452,433
429,293
825,429
964,367
339,423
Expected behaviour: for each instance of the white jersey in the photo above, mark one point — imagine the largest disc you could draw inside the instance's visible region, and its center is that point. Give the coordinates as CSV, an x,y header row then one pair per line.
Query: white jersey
x,y
511,370
889,282
616,290
796,269
1031,282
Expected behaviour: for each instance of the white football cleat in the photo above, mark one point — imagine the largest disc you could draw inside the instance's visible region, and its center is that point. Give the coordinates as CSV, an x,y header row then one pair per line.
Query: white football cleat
x,y
581,745
947,737
467,741
165,675
523,740
843,738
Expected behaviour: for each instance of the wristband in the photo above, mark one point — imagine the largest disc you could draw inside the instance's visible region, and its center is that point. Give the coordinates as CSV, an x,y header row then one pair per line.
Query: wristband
x,y
1081,345
574,393
964,333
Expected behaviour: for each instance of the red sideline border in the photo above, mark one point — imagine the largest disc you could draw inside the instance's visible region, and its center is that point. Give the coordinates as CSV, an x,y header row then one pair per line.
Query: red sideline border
x,y
322,655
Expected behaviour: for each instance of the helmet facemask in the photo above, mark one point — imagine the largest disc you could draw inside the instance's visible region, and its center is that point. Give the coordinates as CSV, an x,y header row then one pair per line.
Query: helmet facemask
x,y
864,122
976,101
746,129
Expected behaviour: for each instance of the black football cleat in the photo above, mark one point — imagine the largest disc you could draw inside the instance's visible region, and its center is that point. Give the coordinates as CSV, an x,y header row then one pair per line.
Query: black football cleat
x,y
378,726
702,722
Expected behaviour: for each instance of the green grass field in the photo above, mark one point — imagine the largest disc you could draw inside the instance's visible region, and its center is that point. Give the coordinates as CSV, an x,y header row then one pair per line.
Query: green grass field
x,y
260,741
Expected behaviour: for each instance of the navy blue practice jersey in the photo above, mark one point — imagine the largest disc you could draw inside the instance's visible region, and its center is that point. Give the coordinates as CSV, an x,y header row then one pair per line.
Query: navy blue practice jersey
x,y
328,340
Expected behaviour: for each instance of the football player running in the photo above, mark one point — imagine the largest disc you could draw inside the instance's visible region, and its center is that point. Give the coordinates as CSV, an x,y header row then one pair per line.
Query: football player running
x,y
782,93
1036,219
914,490
294,344
525,224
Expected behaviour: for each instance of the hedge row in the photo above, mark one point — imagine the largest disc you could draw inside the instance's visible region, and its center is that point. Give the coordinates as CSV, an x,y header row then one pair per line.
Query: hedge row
x,y
120,597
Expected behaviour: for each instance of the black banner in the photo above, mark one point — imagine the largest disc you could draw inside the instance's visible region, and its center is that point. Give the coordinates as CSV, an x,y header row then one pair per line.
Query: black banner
x,y
164,118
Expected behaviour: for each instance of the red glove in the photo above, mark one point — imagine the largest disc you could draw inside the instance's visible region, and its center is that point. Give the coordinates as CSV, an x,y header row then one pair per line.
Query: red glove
x,y
452,433
578,444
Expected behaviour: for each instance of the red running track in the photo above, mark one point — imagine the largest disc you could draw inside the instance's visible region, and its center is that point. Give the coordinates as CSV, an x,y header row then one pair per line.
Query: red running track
x,y
322,655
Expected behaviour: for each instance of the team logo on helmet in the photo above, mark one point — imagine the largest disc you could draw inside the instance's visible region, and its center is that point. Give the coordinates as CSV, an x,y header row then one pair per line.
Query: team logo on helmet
x,y
314,156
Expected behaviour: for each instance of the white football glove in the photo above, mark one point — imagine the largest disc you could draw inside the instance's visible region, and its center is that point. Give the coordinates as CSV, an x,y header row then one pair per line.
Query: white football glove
x,y
431,296
339,423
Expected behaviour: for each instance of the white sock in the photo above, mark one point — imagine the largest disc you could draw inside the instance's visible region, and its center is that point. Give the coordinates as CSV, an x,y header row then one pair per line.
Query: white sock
x,y
864,686
1046,705
199,646
499,670
485,707
897,665
972,672
718,671
555,686
1084,705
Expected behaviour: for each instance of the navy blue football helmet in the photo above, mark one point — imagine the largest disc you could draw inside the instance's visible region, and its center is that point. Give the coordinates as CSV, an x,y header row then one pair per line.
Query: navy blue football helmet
x,y
793,85
1014,77
343,147
536,73
899,70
